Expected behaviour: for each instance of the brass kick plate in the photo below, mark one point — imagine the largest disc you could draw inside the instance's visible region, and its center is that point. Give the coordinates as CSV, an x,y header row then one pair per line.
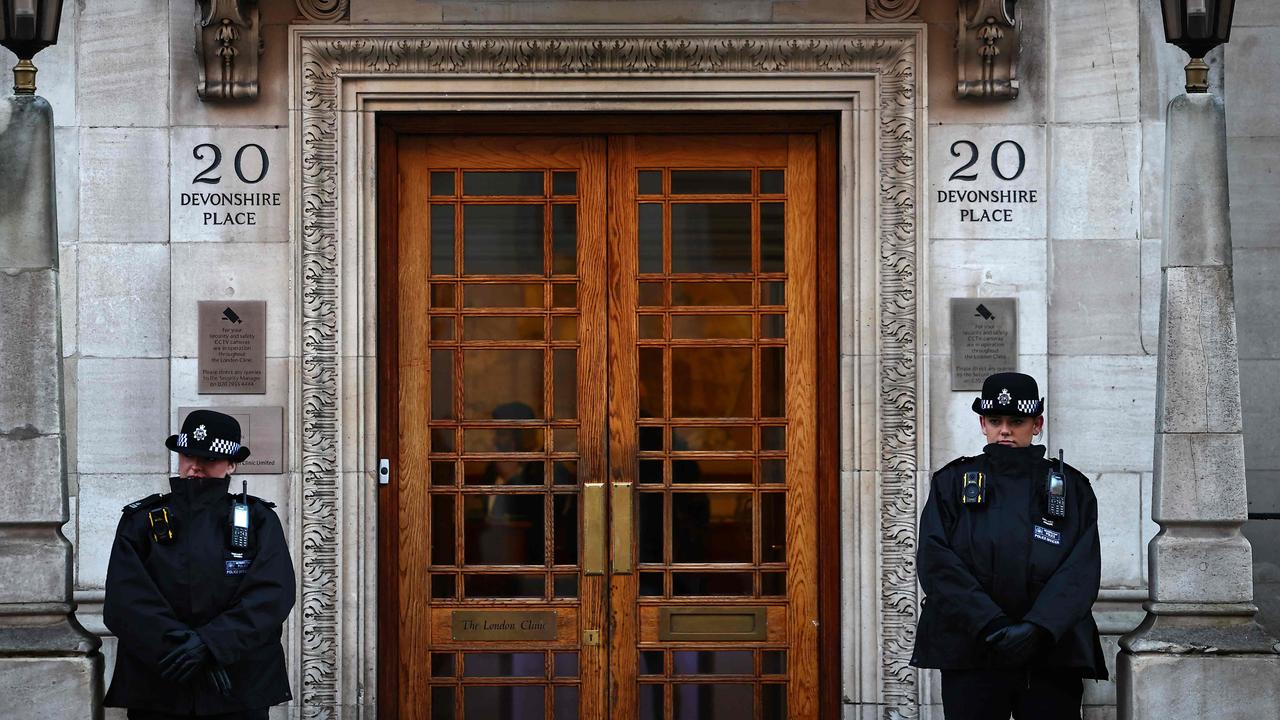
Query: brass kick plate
x,y
712,624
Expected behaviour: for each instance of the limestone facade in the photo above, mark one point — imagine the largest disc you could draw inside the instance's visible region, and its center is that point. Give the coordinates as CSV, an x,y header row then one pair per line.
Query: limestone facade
x,y
1083,262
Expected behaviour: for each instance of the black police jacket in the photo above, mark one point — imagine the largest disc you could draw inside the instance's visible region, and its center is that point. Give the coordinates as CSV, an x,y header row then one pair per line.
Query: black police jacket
x,y
990,565
194,582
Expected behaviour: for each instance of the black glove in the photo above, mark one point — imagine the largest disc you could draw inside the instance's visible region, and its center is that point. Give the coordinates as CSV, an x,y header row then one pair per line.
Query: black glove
x,y
183,661
221,682
1019,642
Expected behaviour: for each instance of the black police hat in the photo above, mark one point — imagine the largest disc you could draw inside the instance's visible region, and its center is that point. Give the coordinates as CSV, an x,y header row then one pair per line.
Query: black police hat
x,y
209,434
1009,393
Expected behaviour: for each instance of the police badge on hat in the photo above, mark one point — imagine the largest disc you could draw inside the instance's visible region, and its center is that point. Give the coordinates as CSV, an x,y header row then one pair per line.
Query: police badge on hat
x,y
211,435
1010,393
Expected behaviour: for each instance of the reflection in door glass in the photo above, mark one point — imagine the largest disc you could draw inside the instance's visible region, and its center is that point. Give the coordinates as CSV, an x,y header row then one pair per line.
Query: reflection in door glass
x,y
502,183
442,701
503,384
650,237
772,182
441,239
564,183
710,182
502,239
441,384
772,242
710,237
504,586
698,701
713,662
504,529
651,706
713,527
649,531
710,382
566,697
564,381
501,295
508,702
503,664
442,535
773,382
564,239
773,701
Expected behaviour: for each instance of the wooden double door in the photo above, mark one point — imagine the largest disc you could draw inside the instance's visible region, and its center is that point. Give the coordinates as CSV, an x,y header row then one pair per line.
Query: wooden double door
x,y
603,429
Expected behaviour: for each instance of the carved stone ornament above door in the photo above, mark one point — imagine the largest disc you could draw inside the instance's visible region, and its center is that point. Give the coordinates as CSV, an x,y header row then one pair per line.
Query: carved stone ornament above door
x,y
228,44
988,45
892,10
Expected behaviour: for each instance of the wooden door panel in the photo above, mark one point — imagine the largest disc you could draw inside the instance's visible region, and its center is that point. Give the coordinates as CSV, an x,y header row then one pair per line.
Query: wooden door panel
x,y
686,467
501,388
712,426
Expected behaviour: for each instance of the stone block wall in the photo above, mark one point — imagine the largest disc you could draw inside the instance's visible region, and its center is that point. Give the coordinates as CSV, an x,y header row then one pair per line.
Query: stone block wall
x,y
1253,160
1083,261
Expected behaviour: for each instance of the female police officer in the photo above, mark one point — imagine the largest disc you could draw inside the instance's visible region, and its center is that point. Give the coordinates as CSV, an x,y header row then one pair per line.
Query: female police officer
x,y
1009,562
198,587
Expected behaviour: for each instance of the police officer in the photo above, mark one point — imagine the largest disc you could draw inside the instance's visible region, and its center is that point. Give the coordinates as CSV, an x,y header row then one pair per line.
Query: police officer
x,y
1010,565
197,603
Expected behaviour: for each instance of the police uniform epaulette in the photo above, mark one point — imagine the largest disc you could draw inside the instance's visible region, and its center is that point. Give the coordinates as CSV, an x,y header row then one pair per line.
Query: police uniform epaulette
x,y
145,502
957,461
254,499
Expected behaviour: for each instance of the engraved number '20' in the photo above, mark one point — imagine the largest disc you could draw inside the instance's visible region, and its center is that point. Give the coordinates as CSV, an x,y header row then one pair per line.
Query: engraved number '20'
x,y
203,176
996,156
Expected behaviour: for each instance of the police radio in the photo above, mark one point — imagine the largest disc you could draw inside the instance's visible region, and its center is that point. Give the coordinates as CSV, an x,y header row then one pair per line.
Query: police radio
x,y
1056,495
240,520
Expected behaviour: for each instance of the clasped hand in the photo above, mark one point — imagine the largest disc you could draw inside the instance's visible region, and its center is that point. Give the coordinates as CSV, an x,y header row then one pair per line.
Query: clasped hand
x,y
185,660
1018,643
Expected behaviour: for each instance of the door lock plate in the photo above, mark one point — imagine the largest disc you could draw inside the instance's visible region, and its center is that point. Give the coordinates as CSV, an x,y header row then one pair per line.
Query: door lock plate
x,y
591,638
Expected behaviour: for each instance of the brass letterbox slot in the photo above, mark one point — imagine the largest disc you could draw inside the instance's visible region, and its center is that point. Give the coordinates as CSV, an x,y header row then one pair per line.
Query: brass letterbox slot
x,y
712,624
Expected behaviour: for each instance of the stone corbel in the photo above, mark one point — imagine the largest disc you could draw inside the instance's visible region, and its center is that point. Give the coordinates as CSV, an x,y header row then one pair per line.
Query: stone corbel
x,y
988,44
228,43
324,11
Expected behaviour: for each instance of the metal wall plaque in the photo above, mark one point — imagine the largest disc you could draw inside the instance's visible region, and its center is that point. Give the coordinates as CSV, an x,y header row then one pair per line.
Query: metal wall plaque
x,y
262,429
233,347
713,624
504,625
984,339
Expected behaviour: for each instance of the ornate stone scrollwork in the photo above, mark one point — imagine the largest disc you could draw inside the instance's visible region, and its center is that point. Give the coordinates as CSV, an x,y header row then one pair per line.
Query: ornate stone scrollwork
x,y
228,44
327,11
987,49
892,10
324,59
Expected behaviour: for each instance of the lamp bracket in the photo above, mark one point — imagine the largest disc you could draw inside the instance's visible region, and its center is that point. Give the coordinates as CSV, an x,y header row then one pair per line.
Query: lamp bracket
x,y
228,45
988,47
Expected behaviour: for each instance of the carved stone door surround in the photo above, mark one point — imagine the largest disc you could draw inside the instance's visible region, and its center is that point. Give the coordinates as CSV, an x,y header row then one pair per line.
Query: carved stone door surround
x,y
342,76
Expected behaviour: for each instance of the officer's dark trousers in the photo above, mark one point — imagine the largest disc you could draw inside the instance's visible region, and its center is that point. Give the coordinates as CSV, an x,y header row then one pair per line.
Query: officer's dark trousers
x,y
1041,694
153,715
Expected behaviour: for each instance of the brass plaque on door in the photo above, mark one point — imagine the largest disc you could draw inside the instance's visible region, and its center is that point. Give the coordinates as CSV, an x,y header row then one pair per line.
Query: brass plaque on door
x,y
504,625
712,624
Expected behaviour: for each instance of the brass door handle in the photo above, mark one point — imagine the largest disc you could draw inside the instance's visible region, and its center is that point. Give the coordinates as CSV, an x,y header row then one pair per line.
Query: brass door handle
x,y
621,541
593,549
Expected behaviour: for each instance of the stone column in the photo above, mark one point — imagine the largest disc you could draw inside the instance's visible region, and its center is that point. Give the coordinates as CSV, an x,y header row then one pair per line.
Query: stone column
x,y
49,665
1199,653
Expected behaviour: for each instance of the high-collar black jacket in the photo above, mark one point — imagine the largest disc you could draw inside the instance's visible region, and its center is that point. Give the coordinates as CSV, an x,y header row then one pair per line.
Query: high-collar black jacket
x,y
990,565
237,608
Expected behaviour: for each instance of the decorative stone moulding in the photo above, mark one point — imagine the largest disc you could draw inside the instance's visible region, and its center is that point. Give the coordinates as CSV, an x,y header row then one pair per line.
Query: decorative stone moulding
x,y
228,43
988,44
325,11
892,10
326,129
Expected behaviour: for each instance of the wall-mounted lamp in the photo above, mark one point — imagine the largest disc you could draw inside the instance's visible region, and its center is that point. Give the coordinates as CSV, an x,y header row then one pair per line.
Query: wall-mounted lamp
x,y
1197,26
26,28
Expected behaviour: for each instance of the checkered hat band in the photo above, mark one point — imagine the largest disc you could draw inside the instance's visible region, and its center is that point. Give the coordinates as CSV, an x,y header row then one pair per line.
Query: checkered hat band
x,y
988,404
182,439
1030,407
224,446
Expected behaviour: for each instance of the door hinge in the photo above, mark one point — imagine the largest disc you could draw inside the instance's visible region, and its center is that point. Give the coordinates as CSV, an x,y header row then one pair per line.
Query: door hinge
x,y
384,471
